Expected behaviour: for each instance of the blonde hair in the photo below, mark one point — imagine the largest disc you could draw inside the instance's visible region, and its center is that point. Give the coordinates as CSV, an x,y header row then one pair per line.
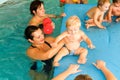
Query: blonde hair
x,y
73,21
102,2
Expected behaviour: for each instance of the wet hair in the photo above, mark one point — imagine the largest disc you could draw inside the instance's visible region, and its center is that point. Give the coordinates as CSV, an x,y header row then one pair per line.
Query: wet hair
x,y
102,2
34,5
29,30
73,21
115,1
83,77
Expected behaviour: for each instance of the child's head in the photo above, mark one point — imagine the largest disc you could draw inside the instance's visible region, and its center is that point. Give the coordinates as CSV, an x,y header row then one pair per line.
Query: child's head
x,y
73,24
103,4
35,5
83,77
116,3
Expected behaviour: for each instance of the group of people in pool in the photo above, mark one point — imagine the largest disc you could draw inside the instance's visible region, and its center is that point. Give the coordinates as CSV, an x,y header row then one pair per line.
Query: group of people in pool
x,y
49,51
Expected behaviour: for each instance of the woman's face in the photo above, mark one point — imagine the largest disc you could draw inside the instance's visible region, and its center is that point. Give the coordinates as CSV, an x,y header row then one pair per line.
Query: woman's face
x,y
38,37
40,10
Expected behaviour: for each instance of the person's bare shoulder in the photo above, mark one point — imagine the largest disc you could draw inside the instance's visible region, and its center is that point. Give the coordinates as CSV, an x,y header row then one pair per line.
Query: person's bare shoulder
x,y
81,32
31,52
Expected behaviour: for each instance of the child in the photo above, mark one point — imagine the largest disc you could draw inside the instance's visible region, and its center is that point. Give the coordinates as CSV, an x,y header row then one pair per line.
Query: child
x,y
94,16
72,38
114,10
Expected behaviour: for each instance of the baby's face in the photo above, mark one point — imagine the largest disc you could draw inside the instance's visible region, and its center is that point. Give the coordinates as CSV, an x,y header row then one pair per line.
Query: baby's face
x,y
105,6
117,4
73,29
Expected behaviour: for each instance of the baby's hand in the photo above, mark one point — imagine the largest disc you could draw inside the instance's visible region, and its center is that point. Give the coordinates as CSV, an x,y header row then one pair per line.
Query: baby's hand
x,y
102,27
91,46
53,44
99,64
62,14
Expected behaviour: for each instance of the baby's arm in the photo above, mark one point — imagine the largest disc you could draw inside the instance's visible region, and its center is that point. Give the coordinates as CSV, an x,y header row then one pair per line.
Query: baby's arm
x,y
110,14
59,38
87,40
97,21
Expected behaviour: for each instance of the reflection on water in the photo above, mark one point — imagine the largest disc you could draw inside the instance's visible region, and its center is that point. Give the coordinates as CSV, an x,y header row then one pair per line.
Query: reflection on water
x,y
37,75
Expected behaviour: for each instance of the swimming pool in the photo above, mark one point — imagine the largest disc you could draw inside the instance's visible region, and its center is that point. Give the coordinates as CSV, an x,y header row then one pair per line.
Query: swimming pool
x,y
14,17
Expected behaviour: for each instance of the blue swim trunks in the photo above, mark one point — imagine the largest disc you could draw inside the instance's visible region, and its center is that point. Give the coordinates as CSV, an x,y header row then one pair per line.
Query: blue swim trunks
x,y
86,17
72,52
114,18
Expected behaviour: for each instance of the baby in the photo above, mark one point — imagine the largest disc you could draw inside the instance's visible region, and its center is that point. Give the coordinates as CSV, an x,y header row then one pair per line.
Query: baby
x,y
94,16
72,38
114,10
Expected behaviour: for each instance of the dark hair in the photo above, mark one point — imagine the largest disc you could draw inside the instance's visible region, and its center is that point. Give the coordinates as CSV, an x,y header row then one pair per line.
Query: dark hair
x,y
102,2
115,1
29,30
83,77
34,5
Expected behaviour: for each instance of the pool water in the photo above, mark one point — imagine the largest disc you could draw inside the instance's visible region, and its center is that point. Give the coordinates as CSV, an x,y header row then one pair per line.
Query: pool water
x,y
14,17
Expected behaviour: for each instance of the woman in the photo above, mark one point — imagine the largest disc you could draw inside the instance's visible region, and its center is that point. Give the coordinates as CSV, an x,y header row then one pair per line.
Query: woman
x,y
40,49
38,12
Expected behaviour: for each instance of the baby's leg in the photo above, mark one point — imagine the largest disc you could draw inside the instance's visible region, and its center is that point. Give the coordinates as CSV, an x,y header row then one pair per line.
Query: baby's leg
x,y
89,21
63,52
88,25
82,52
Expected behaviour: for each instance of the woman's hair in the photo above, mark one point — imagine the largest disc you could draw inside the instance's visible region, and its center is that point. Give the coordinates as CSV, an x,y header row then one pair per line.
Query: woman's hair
x,y
83,77
102,2
73,21
34,5
29,30
115,1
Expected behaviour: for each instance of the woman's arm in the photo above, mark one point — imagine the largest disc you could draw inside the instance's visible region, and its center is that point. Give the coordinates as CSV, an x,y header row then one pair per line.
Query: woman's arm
x,y
71,70
56,16
39,54
108,74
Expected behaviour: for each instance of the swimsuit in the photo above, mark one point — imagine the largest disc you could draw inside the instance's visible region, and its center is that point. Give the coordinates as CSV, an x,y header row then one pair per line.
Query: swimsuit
x,y
42,65
114,18
71,52
86,17
40,26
